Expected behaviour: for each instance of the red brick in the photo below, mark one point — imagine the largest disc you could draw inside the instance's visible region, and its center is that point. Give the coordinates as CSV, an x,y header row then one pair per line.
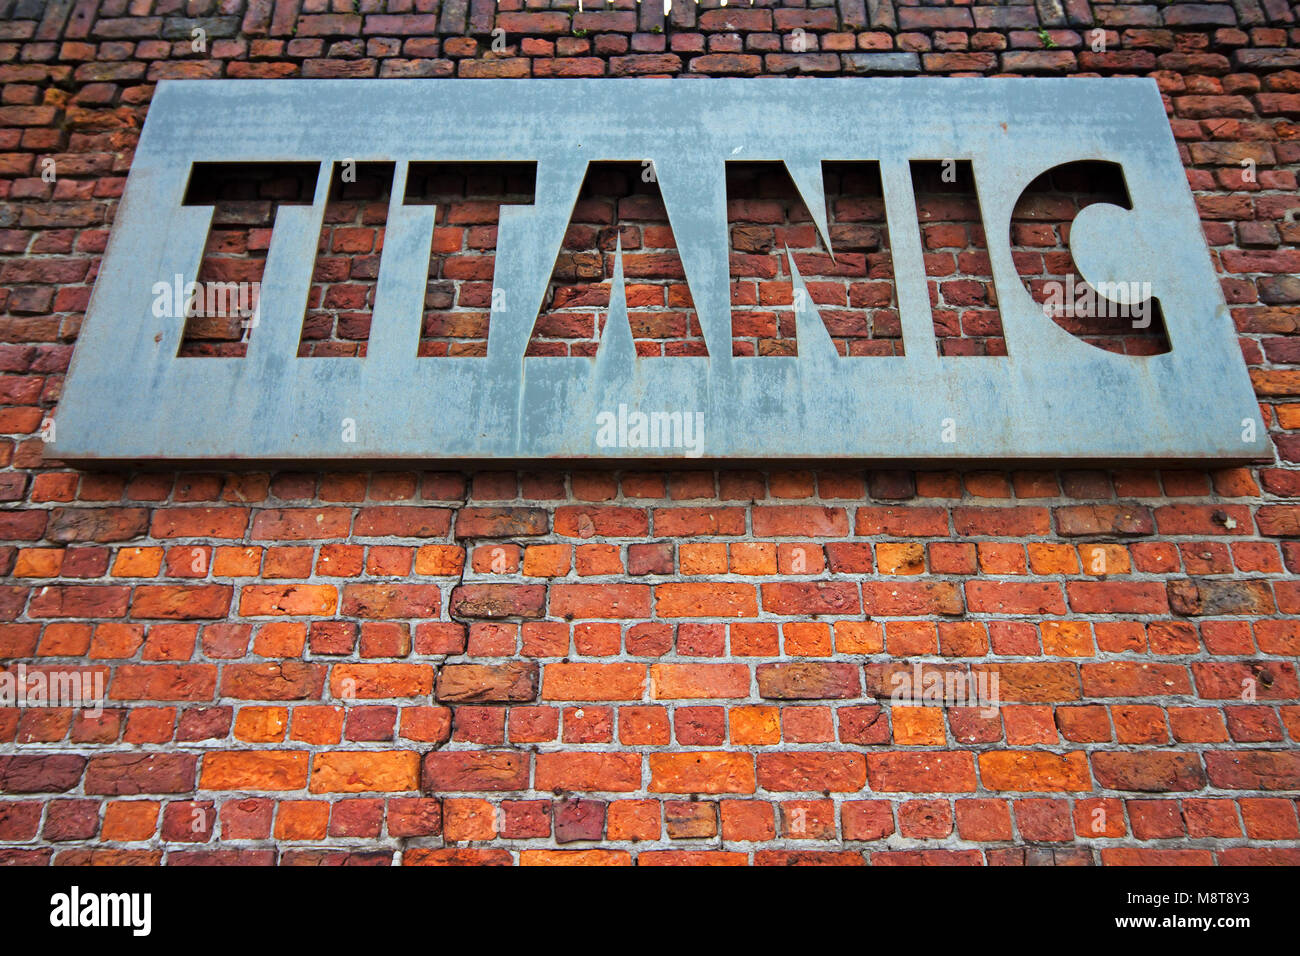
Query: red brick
x,y
819,597
475,770
805,771
497,683
582,681
692,681
929,772
1034,770
701,772
806,521
600,600
588,772
132,773
705,600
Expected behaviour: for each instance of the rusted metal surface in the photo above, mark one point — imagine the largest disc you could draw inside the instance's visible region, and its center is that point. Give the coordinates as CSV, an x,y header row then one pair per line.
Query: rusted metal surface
x,y
128,396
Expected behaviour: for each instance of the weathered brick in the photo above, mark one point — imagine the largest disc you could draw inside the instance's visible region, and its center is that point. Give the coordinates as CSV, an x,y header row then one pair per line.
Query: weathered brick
x,y
701,772
929,772
181,602
495,601
583,681
500,522
705,600
475,770
805,771
1209,597
40,773
365,771
1034,771
599,600
691,681
389,600
131,773
808,680
254,770
1148,771
487,683
588,772
96,524
274,680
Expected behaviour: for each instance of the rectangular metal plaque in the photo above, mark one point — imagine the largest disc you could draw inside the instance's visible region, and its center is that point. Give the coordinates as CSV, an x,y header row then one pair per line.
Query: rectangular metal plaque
x,y
1053,396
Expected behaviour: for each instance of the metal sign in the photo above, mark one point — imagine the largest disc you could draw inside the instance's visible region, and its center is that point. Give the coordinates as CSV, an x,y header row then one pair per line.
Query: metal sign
x,y
1053,396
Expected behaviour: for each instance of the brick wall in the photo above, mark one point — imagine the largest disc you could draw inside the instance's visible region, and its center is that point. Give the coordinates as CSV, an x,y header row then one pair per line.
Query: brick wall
x,y
637,666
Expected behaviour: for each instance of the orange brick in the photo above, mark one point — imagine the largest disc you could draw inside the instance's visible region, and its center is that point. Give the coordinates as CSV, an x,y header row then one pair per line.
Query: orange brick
x,y
1001,557
754,640
747,820
547,560
575,858
298,600
340,560
691,681
1102,559
426,724
235,562
753,558
137,563
288,562
906,557
911,638
170,642
254,770
1052,558
721,599
388,561
496,559
365,771
468,818
579,681
439,560
803,558
702,557
807,639
614,772
702,772
302,820
1030,771
65,639
633,820
643,726
859,637
598,559
1067,638
317,724
129,820
261,724
348,681
753,726
918,726
38,563
280,639
116,640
